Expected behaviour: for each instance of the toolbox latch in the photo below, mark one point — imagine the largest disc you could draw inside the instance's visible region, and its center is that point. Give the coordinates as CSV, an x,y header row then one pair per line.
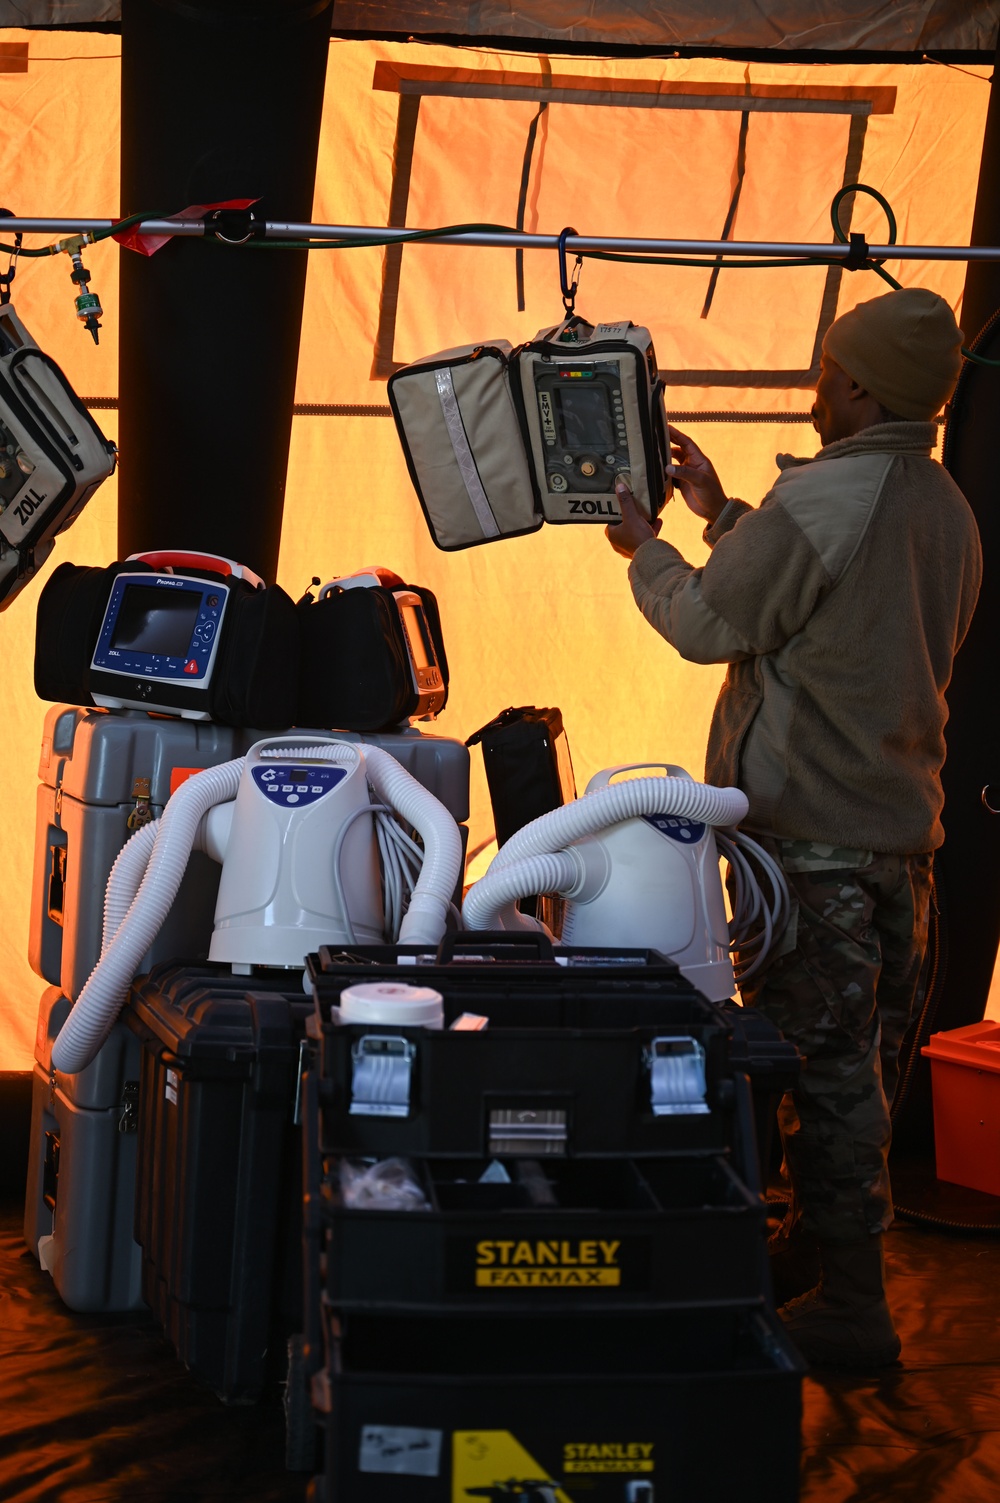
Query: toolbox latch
x,y
676,1077
380,1080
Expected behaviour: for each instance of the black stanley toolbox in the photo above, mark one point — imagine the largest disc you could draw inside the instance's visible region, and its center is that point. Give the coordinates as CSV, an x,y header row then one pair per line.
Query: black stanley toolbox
x,y
592,1148
218,1192
698,1406
602,1234
582,1299
579,1036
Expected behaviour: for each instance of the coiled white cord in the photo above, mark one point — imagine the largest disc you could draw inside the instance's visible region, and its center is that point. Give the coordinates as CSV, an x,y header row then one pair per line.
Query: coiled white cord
x,y
761,904
402,861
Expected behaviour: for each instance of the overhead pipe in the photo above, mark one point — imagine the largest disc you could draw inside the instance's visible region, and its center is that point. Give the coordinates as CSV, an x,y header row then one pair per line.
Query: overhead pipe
x,y
276,230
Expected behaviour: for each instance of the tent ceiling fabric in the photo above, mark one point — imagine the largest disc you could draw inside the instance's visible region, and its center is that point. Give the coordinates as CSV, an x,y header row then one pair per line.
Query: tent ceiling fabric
x,y
438,135
791,25
794,25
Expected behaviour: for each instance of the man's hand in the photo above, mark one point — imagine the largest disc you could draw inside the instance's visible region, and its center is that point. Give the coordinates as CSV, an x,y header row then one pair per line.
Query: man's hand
x,y
694,476
633,530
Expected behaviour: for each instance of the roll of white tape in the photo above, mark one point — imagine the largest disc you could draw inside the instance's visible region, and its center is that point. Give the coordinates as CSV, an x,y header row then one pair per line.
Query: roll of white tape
x,y
392,1003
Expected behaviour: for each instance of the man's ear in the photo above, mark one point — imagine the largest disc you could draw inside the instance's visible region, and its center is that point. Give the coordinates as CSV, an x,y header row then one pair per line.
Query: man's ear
x,y
856,392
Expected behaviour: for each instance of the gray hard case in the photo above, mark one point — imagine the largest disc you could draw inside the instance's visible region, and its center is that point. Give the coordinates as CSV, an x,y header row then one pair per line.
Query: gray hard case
x,y
81,1169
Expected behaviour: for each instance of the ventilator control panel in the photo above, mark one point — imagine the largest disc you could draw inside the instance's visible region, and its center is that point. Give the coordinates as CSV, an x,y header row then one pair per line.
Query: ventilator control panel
x,y
293,785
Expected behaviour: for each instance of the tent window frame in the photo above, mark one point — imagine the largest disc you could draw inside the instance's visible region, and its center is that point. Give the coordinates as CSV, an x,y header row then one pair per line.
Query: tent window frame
x,y
413,83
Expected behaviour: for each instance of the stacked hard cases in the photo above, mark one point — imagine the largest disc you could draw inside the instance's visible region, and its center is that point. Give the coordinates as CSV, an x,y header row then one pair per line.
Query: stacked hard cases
x,y
218,1194
581,1310
98,771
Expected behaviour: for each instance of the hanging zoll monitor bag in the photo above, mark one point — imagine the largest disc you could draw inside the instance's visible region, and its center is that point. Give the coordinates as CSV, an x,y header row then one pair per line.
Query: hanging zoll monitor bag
x,y
499,440
53,456
593,403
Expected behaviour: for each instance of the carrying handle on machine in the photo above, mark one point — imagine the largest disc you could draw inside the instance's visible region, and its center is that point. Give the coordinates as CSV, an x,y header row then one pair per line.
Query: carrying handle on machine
x,y
368,577
486,941
603,779
168,559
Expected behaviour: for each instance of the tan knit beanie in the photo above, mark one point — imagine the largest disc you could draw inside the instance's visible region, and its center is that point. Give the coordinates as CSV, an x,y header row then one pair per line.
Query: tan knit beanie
x,y
903,348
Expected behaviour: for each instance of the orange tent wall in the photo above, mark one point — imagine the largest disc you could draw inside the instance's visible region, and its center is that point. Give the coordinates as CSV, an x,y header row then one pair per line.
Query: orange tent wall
x,y
546,619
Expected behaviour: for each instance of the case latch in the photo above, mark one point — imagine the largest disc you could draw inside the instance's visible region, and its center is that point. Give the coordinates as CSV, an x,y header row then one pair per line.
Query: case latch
x,y
142,812
129,1119
676,1077
381,1077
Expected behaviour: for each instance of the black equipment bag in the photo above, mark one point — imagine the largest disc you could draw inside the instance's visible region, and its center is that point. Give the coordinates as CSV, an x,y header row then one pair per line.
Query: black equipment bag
x,y
70,610
528,766
355,672
251,682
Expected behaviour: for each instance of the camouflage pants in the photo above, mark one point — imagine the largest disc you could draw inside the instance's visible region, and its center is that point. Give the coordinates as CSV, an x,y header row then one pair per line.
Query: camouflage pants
x,y
842,988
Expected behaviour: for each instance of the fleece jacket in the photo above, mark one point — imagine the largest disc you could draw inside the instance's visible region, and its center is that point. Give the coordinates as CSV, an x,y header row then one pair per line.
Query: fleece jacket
x,y
839,604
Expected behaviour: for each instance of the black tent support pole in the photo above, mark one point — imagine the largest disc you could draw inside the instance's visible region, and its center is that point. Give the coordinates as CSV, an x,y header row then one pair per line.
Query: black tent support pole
x,y
967,868
221,99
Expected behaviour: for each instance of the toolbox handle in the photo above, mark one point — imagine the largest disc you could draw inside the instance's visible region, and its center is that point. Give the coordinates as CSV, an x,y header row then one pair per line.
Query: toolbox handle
x,y
748,1163
488,941
312,1238
746,1132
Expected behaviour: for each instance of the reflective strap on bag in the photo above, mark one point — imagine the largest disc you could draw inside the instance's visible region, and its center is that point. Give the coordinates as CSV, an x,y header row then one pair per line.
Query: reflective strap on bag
x,y
463,454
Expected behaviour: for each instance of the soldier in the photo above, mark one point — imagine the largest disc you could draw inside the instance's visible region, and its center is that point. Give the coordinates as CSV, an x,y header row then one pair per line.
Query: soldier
x,y
838,604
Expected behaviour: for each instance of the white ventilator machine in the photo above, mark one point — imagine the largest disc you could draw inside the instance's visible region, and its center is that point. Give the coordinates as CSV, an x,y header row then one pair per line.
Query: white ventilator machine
x,y
638,862
302,830
315,848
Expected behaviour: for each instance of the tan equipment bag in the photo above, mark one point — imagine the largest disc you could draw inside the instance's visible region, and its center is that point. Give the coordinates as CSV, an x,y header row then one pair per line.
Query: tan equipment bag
x,y
498,440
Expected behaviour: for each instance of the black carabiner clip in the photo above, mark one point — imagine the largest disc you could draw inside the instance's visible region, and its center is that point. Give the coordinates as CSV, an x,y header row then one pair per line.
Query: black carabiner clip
x,y
6,277
568,288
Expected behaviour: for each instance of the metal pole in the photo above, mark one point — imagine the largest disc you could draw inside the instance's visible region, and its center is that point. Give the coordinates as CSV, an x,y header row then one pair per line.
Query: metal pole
x,y
276,230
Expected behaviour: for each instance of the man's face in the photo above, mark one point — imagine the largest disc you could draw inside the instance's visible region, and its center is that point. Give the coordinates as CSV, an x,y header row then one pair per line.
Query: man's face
x,y
833,410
